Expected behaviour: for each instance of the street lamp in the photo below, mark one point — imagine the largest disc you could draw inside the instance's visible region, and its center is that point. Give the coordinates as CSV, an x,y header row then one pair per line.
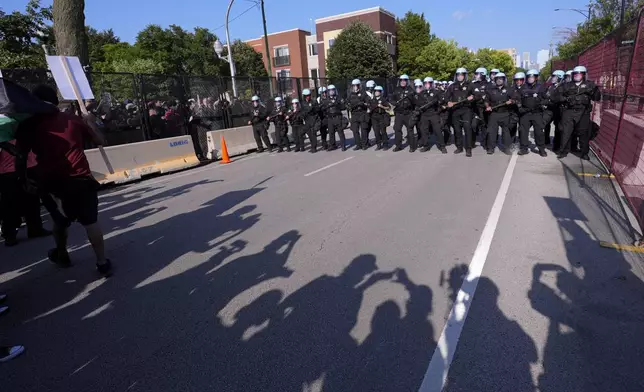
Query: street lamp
x,y
585,13
230,52
219,49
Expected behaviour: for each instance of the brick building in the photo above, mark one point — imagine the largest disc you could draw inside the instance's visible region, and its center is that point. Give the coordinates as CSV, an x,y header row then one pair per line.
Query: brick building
x,y
288,50
381,21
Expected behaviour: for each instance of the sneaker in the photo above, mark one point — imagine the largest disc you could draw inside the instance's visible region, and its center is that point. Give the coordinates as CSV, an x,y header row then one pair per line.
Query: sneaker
x,y
105,269
61,259
8,353
39,233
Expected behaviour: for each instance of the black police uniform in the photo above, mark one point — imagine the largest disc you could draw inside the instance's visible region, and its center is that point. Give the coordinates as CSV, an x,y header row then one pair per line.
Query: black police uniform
x,y
479,118
457,93
332,107
552,115
499,116
260,127
278,117
380,121
403,98
576,99
446,118
514,113
324,130
428,105
296,117
358,103
533,97
311,110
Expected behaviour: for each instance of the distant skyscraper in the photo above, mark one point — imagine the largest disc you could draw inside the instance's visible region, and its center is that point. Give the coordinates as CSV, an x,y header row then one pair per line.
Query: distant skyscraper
x,y
517,60
543,56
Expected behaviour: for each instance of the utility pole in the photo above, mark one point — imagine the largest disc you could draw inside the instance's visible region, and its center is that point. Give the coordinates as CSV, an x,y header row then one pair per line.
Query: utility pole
x,y
267,49
621,13
230,52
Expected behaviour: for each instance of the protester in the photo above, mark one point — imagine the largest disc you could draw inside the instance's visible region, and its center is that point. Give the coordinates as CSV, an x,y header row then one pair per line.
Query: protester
x,y
64,172
15,203
8,352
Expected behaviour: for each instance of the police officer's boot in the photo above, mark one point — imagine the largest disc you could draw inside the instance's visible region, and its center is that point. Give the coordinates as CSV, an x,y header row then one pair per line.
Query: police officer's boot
x,y
468,153
443,150
397,148
356,148
379,147
523,151
424,149
542,152
313,150
490,151
458,150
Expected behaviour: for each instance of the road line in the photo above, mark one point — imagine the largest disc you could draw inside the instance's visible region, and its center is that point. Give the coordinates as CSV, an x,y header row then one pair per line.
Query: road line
x,y
327,166
436,374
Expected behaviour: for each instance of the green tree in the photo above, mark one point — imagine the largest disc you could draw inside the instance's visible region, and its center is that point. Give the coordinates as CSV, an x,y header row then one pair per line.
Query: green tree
x,y
412,35
21,35
441,58
358,52
490,58
248,62
96,40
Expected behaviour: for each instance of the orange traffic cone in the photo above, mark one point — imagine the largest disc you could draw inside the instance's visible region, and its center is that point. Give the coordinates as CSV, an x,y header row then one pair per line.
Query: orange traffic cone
x,y
224,151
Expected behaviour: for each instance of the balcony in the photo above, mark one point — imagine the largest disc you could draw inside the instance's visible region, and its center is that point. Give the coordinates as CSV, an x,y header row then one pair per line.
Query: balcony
x,y
281,61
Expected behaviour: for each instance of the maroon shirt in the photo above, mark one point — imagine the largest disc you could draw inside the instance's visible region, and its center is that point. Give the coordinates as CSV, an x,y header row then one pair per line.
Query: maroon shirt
x,y
57,140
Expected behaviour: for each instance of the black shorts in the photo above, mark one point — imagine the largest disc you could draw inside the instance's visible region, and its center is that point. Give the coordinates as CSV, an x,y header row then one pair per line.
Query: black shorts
x,y
78,196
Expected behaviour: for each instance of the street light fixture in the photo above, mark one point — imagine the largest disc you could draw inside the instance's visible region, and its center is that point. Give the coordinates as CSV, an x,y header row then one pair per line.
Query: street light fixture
x,y
230,52
219,49
585,13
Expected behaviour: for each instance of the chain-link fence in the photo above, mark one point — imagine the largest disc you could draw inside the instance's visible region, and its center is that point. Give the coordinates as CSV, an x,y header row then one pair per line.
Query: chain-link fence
x,y
616,64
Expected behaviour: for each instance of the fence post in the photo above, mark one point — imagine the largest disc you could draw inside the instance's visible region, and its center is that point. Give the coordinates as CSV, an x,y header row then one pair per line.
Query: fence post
x,y
299,87
626,84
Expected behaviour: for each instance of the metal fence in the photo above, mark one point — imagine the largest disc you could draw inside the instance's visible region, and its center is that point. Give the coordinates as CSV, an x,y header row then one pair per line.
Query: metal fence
x,y
616,64
139,107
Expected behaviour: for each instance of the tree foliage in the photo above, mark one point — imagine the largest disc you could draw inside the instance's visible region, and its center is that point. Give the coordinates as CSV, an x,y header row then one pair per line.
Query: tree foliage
x,y
412,35
22,34
96,40
490,58
441,58
604,18
248,62
358,52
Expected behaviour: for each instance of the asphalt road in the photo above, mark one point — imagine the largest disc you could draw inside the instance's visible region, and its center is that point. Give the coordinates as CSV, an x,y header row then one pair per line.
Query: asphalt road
x,y
340,271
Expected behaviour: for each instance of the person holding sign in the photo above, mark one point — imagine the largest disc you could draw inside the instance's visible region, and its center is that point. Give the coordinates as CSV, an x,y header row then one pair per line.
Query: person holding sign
x,y
57,140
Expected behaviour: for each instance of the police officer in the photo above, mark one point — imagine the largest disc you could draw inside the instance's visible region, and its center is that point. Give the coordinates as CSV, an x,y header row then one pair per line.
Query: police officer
x,y
333,106
552,112
519,81
498,102
459,97
414,120
429,105
324,130
445,114
533,97
380,118
370,86
278,117
402,100
576,97
296,117
493,74
568,76
260,126
479,85
311,118
358,104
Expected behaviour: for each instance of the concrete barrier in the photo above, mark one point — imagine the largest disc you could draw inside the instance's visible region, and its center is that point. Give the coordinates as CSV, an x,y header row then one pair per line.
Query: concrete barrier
x,y
239,141
129,162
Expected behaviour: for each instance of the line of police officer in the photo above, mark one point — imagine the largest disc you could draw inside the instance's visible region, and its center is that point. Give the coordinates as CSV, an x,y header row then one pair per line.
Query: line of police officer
x,y
476,108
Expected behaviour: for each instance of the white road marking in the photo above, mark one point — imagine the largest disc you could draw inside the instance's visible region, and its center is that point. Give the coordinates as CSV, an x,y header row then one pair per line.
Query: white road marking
x,y
436,374
327,166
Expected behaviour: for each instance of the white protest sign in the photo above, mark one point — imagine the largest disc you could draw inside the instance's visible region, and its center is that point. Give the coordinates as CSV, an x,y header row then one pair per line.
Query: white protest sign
x,y
70,77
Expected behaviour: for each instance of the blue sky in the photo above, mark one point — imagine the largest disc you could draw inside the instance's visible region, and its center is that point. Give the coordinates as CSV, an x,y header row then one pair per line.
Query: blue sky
x,y
472,25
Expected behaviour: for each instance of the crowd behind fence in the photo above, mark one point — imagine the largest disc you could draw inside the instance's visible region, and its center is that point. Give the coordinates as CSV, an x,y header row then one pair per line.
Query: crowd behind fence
x,y
616,64
140,107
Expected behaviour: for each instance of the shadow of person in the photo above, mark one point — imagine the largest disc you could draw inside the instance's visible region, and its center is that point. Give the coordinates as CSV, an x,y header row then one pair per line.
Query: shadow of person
x,y
395,355
494,353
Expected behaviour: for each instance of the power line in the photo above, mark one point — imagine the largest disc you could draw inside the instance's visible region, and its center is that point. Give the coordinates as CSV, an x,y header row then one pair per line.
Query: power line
x,y
238,16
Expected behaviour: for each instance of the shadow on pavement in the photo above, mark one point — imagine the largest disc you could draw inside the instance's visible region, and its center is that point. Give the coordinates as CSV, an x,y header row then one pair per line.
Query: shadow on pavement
x,y
595,305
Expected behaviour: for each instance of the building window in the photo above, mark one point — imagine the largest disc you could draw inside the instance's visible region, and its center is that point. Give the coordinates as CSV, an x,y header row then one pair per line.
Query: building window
x,y
389,38
281,56
314,73
313,49
331,42
284,73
